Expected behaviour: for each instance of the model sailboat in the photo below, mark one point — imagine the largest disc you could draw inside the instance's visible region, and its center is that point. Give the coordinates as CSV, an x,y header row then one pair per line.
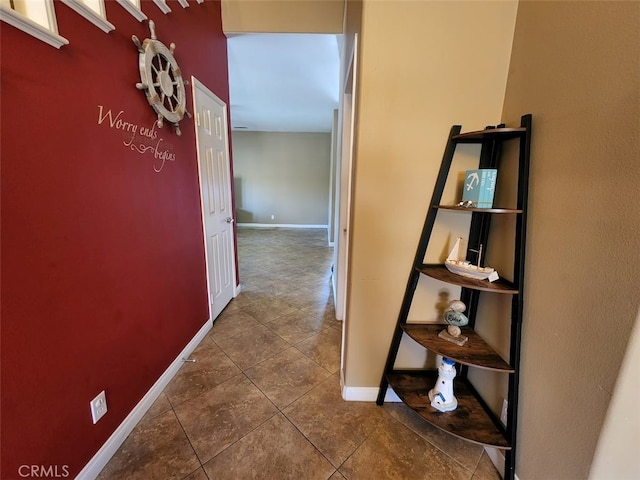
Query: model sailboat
x,y
466,268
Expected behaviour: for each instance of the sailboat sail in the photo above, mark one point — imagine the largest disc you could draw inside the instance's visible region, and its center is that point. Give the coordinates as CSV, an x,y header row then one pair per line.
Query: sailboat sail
x,y
454,254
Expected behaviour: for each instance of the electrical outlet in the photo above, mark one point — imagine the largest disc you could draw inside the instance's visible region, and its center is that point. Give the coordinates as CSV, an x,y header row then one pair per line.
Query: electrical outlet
x,y
98,407
505,409
273,217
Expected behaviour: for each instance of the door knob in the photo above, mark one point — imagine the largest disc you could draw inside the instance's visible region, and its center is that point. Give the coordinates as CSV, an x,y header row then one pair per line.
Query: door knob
x,y
230,220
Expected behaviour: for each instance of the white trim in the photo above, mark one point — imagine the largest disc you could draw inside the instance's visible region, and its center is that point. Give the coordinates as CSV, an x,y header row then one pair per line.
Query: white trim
x,y
200,1
367,394
88,13
183,3
133,10
497,458
51,16
162,5
237,289
278,225
33,28
102,457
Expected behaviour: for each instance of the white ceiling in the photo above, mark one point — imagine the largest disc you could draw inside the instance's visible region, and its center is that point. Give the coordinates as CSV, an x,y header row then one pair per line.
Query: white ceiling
x,y
283,82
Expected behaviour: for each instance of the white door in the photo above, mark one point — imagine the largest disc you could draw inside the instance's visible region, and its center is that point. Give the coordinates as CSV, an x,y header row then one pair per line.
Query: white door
x,y
343,231
345,172
215,189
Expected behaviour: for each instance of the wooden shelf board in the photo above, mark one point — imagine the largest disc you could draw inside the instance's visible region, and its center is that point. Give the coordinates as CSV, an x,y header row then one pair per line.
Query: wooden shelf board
x,y
469,421
479,210
475,353
440,272
490,134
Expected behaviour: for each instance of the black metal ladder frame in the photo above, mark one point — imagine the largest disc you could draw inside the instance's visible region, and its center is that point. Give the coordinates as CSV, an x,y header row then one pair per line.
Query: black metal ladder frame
x,y
478,234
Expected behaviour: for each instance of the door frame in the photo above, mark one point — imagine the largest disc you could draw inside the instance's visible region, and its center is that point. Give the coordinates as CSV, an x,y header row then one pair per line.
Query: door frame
x,y
197,85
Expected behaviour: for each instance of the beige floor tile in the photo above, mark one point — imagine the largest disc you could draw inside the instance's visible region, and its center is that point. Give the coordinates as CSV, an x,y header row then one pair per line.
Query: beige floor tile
x,y
485,469
465,453
158,407
394,451
316,280
336,427
281,285
231,323
297,326
324,349
211,367
275,450
232,424
268,309
197,475
157,449
299,298
249,295
223,415
327,313
287,376
253,346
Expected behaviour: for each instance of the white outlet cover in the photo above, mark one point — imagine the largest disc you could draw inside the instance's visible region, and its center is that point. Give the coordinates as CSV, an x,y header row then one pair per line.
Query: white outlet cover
x,y
503,414
98,407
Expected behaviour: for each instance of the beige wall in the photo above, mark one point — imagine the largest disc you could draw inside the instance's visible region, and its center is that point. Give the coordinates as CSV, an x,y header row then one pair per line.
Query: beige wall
x,y
424,66
576,67
616,454
281,174
286,16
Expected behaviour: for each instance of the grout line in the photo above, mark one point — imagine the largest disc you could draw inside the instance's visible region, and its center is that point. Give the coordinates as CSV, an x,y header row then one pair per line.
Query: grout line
x,y
309,440
410,428
190,444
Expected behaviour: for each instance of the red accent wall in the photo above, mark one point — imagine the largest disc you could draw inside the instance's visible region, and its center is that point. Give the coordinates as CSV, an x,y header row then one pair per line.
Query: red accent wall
x,y
103,271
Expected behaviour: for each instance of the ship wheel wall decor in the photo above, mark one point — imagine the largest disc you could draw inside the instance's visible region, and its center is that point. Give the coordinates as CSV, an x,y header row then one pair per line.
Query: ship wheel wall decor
x,y
161,79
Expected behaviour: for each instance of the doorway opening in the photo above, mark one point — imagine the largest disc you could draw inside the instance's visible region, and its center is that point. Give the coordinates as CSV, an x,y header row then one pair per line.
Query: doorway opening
x,y
284,96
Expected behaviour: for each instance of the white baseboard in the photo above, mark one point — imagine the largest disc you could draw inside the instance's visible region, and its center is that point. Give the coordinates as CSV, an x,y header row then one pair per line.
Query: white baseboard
x,y
497,458
367,394
278,225
102,457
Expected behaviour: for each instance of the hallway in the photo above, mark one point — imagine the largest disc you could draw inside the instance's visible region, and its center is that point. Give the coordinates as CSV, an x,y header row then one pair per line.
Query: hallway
x,y
263,398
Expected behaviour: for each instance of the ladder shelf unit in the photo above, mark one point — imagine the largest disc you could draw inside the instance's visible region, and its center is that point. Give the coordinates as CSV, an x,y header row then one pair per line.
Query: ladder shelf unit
x,y
472,420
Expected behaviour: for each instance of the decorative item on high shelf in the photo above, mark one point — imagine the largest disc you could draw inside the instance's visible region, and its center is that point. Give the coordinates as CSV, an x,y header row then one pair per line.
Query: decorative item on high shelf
x,y
479,187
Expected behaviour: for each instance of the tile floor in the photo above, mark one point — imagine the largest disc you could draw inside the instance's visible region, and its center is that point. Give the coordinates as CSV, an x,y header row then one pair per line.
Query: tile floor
x,y
263,398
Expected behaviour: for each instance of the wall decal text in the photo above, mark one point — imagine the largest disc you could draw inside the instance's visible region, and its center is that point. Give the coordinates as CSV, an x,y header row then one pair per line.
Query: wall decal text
x,y
141,139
